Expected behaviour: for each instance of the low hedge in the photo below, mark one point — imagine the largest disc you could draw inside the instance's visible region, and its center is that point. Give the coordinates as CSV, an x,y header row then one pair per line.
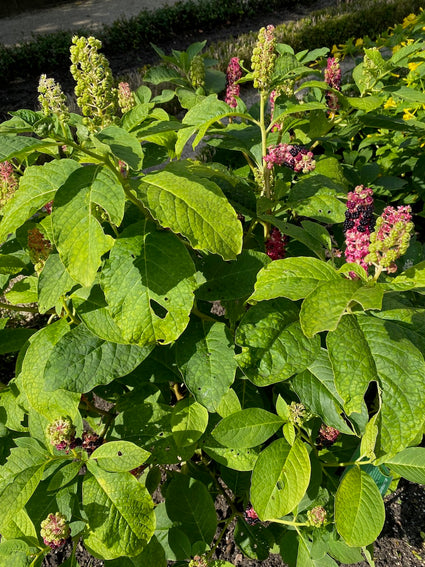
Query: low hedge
x,y
47,53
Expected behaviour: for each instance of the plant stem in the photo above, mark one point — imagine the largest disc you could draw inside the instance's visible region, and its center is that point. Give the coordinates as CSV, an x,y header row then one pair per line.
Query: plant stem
x,y
288,522
347,464
221,535
18,308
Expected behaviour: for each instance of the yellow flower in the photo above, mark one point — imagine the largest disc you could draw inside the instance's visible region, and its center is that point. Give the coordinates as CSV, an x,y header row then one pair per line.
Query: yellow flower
x,y
359,42
390,103
407,114
409,20
413,66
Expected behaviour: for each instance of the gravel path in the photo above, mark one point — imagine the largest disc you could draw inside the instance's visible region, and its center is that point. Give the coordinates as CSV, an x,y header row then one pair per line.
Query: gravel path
x,y
87,14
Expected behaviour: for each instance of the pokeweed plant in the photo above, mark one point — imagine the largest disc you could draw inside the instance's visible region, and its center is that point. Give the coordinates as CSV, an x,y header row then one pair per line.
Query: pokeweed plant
x,y
247,326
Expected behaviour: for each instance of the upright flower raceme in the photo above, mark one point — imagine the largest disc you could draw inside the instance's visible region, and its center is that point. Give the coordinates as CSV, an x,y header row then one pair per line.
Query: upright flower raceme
x,y
52,99
297,158
263,58
125,97
8,182
233,74
197,72
55,530
358,225
96,95
390,238
333,79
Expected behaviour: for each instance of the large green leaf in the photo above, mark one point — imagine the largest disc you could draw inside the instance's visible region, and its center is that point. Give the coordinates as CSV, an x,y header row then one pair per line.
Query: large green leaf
x,y
280,479
18,146
149,282
19,478
190,504
293,278
31,378
316,388
37,187
195,207
359,508
324,307
409,464
119,456
123,145
189,420
205,356
273,344
230,280
78,235
247,428
80,361
364,349
236,459
108,193
152,555
53,283
121,520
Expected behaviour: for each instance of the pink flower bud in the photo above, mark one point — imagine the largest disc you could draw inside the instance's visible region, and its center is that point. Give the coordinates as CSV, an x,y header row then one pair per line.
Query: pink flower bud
x,y
61,433
316,516
233,74
276,244
359,222
55,530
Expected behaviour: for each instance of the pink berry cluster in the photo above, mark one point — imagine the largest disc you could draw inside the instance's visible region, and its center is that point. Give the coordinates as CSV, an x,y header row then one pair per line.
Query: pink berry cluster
x,y
391,237
333,79
358,225
8,182
233,74
296,157
55,530
61,433
39,248
251,516
276,244
328,435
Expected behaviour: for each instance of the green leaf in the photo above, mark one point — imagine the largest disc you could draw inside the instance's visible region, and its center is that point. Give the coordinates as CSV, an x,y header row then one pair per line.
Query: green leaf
x,y
19,478
252,540
78,234
294,278
367,103
31,378
236,459
53,283
16,553
359,509
273,344
409,463
18,146
23,291
189,420
229,403
119,456
152,555
121,520
148,283
64,475
323,208
205,356
12,340
37,187
247,428
316,388
365,349
190,504
280,479
123,145
228,281
80,361
195,207
108,193
323,307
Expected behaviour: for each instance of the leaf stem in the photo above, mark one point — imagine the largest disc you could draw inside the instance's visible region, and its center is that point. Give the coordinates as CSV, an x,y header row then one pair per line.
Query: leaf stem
x,y
347,464
288,522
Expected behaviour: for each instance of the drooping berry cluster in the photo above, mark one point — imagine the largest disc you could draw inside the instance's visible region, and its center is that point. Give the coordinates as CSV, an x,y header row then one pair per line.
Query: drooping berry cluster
x,y
90,441
391,237
55,530
293,156
333,79
233,74
358,225
276,244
